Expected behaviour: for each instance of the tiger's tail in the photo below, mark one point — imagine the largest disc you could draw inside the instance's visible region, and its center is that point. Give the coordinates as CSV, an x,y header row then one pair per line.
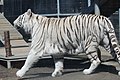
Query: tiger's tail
x,y
112,38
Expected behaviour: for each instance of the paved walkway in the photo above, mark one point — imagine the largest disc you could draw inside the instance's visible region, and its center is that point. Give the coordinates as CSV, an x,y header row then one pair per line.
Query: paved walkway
x,y
73,71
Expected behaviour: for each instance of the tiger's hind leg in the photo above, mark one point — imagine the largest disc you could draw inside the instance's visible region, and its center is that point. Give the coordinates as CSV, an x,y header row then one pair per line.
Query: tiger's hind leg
x,y
99,53
106,44
91,52
58,60
112,47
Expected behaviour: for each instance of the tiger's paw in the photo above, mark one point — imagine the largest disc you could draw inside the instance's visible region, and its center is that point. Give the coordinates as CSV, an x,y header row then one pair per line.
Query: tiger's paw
x,y
87,71
20,74
119,73
57,73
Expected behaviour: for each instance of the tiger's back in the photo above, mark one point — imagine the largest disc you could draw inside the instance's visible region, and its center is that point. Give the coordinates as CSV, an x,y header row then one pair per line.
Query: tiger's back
x,y
75,32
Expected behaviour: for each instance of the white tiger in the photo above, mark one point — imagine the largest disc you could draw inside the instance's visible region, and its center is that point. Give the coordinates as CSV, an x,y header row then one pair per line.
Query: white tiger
x,y
59,36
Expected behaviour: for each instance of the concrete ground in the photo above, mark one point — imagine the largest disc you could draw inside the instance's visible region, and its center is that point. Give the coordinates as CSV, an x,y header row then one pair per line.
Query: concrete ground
x,y
73,70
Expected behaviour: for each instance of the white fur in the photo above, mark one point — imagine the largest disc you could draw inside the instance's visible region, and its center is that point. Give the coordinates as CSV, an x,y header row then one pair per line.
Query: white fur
x,y
93,66
20,73
28,64
119,73
44,41
58,69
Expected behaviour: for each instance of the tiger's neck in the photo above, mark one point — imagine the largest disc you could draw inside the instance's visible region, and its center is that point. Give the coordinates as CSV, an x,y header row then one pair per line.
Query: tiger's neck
x,y
38,29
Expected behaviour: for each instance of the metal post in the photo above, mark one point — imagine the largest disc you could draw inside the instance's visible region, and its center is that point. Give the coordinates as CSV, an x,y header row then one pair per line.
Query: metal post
x,y
97,9
119,24
89,3
2,5
7,43
9,64
58,8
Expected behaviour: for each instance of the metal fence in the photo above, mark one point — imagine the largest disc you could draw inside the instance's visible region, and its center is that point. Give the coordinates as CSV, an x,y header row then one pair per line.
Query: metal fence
x,y
54,8
13,8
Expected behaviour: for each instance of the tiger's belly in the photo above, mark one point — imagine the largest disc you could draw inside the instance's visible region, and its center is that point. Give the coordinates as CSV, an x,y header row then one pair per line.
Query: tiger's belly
x,y
76,51
52,49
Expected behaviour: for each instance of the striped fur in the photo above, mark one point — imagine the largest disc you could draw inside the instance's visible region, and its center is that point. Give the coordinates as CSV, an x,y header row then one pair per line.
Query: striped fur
x,y
69,35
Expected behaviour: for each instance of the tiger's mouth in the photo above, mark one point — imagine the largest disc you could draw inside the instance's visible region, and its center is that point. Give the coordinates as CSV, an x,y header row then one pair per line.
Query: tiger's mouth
x,y
17,27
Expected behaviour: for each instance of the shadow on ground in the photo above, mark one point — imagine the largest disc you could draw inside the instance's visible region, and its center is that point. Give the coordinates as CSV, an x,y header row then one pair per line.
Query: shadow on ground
x,y
70,66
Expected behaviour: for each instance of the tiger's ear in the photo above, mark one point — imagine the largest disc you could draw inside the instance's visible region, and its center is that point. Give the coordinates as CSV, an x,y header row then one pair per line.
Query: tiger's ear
x,y
29,11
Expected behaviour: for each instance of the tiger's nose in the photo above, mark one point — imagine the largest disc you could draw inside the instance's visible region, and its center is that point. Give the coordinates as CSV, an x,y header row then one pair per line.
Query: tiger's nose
x,y
14,22
15,25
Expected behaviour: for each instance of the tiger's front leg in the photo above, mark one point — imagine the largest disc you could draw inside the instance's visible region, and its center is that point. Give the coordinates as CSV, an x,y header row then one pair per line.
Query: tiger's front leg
x,y
58,60
95,61
32,58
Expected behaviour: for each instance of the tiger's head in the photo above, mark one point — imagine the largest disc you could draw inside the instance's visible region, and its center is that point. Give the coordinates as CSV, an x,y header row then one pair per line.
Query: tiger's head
x,y
24,21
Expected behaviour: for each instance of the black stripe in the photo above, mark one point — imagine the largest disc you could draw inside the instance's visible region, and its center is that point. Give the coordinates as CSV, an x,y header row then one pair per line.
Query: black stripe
x,y
83,27
90,52
37,17
63,41
59,37
77,39
38,43
49,20
42,19
52,21
84,22
77,29
73,47
70,23
114,45
42,35
59,48
94,57
54,46
88,42
88,21
39,28
22,17
95,18
112,36
42,30
99,25
59,22
76,35
40,40
43,48
113,40
30,15
102,18
76,22
59,41
109,25
69,35
64,25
